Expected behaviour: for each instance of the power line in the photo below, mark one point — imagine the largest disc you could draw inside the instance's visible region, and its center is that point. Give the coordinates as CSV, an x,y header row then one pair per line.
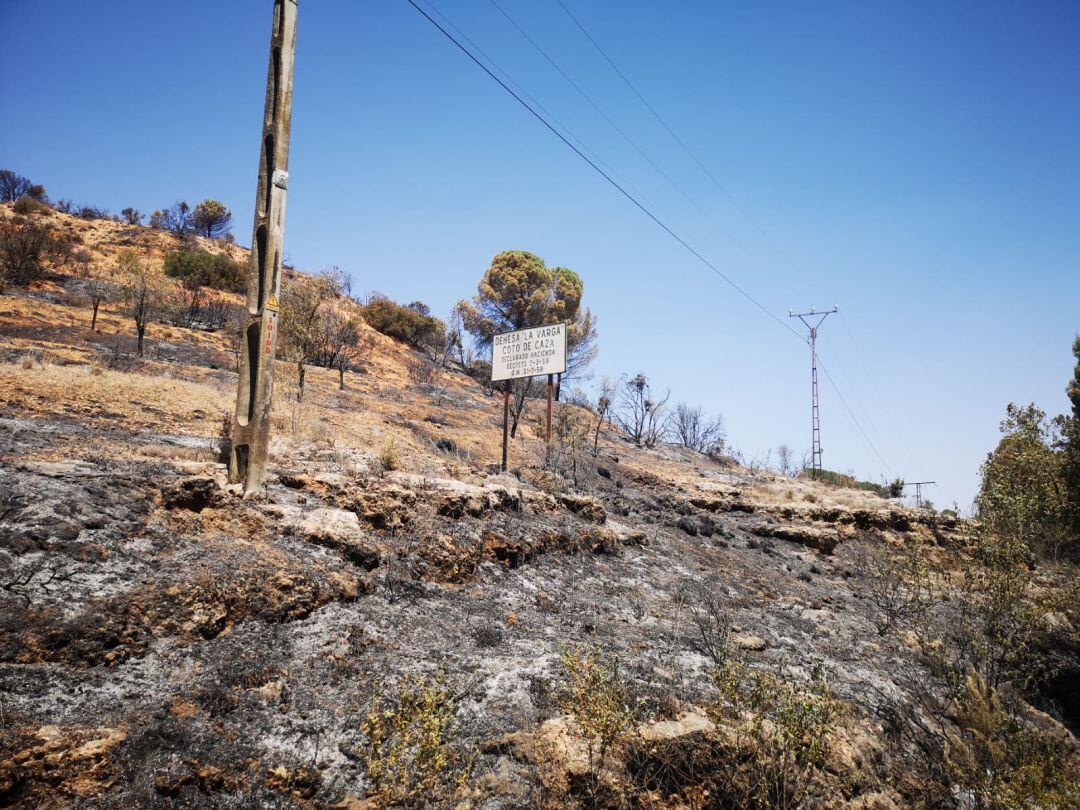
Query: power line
x,y
723,190
602,173
598,109
645,210
873,384
847,408
532,99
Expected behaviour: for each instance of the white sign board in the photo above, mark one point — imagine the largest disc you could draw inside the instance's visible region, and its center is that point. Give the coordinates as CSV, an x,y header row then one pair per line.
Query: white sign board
x,y
529,352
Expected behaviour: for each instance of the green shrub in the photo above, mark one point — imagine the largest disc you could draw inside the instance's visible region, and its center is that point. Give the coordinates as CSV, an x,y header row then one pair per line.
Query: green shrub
x,y
195,268
836,479
413,324
406,749
781,733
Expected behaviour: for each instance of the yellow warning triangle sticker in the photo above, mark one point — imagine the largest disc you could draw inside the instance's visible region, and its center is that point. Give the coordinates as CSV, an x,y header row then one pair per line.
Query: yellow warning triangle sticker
x,y
272,304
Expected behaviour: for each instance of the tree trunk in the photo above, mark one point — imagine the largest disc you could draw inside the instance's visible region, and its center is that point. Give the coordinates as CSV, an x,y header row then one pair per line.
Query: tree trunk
x,y
518,408
301,373
341,378
93,320
140,330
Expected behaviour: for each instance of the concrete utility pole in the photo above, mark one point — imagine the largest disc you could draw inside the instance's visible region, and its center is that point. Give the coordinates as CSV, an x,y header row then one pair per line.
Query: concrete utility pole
x,y
254,396
813,324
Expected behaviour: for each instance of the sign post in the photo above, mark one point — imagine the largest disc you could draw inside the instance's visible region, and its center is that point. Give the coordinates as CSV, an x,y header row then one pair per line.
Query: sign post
x,y
522,353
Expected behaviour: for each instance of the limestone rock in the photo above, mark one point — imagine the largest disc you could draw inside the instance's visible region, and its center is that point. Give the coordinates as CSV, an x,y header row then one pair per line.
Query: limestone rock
x,y
745,641
340,530
585,507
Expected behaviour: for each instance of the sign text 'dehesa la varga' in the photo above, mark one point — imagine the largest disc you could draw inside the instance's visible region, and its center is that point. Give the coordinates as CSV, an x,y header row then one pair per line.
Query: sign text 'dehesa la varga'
x,y
530,352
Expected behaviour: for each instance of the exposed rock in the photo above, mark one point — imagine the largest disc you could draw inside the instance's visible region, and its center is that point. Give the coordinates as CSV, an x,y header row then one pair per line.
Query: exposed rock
x,y
746,641
821,538
585,507
340,530
689,723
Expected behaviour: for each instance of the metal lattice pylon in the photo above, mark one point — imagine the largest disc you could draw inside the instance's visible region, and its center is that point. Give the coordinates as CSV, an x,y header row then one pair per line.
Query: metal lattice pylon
x,y
815,320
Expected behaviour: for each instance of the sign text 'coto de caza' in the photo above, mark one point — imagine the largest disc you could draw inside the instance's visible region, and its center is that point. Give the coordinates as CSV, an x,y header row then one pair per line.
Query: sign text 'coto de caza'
x,y
529,352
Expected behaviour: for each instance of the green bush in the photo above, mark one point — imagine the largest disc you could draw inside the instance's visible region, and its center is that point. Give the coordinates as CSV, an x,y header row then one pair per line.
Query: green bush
x,y
412,324
197,269
836,479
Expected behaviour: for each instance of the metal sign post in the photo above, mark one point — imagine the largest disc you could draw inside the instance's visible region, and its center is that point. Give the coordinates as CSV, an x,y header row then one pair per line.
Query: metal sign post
x,y
522,353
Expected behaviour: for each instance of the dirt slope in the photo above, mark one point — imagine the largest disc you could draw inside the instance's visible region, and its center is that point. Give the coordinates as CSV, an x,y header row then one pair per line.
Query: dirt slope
x,y
165,644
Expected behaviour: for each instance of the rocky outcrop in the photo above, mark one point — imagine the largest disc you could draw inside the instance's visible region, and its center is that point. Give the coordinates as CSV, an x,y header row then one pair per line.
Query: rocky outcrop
x,y
340,530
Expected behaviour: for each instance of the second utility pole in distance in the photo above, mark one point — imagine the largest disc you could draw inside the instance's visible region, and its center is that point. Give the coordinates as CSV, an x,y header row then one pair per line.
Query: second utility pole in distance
x,y
813,320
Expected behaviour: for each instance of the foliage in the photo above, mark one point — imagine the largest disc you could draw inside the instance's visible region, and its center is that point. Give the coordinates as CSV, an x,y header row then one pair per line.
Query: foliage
x,y
29,206
641,413
389,458
1023,494
132,216
406,750
838,479
1003,764
25,249
413,324
13,186
692,427
1069,427
306,304
196,268
176,219
519,291
145,292
599,700
781,732
212,219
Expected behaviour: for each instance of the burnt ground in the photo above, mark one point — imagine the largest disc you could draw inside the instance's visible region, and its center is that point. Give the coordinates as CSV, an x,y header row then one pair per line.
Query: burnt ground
x,y
177,646
165,644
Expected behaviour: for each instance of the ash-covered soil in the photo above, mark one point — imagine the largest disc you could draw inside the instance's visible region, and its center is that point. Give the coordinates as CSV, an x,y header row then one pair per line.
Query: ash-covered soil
x,y
165,643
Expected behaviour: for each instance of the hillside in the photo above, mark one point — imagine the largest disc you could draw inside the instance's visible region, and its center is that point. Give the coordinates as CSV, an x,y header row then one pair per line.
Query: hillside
x,y
164,643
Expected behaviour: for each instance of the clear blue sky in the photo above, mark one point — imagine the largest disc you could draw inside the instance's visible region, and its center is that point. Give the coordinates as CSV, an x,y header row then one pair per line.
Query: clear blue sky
x,y
917,163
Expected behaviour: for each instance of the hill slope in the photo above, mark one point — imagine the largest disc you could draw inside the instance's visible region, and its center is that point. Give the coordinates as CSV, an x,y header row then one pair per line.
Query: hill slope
x,y
165,643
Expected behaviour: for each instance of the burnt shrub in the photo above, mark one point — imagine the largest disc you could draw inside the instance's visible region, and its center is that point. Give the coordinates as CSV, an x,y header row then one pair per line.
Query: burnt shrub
x,y
25,247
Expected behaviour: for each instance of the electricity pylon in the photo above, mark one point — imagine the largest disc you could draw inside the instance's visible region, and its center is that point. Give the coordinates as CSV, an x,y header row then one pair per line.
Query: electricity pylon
x,y
255,391
813,324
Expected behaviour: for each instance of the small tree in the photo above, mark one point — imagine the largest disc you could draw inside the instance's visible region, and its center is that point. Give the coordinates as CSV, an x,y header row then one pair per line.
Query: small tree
x,y
1069,426
211,219
132,216
176,219
25,247
641,413
306,302
13,186
145,293
519,291
96,288
1023,493
692,428
605,400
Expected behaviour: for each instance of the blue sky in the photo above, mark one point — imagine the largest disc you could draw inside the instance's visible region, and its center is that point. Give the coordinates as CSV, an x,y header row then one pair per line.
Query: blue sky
x,y
917,163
